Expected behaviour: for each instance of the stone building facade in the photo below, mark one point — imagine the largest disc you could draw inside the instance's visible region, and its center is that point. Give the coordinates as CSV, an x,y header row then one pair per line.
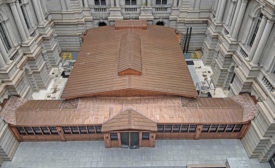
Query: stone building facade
x,y
236,38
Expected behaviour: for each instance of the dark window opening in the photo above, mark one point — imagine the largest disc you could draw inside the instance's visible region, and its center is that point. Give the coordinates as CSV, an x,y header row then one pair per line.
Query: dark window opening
x,y
37,130
221,128
66,130
145,135
213,128
91,129
167,128
4,38
98,129
102,24
29,130
205,128
130,2
238,128
176,128
45,130
192,128
113,136
21,131
184,128
83,130
75,130
53,130
160,128
160,23
229,127
100,2
161,2
254,33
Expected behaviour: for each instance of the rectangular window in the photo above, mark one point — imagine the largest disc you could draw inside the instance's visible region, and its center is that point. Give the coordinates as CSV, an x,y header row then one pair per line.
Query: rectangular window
x,y
221,128
205,128
238,128
45,130
145,135
192,128
66,130
161,2
98,129
75,130
53,130
176,128
37,130
29,130
160,128
113,136
83,130
21,131
25,17
229,127
130,2
213,128
100,2
4,38
167,128
91,129
184,128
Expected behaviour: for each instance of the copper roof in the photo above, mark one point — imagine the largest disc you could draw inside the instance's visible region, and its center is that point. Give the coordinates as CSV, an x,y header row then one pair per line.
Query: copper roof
x,y
129,119
97,110
157,56
130,24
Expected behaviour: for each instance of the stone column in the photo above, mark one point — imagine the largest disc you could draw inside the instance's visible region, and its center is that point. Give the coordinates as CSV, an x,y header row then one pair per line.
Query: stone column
x,y
246,31
112,3
262,42
18,22
239,20
257,38
235,17
117,3
197,4
63,5
85,4
175,2
2,61
221,11
38,12
4,53
149,3
23,22
229,13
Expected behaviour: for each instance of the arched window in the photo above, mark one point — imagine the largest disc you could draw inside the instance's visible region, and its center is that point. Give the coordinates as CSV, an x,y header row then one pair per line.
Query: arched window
x,y
4,37
160,23
102,24
255,30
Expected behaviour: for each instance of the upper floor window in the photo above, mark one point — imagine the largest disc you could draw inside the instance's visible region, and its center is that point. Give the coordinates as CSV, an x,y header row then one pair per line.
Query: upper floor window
x,y
4,38
161,2
255,30
100,2
25,15
130,2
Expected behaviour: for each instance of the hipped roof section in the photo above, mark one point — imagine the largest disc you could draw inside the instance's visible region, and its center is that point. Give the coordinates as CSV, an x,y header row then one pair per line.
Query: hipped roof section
x,y
98,110
155,66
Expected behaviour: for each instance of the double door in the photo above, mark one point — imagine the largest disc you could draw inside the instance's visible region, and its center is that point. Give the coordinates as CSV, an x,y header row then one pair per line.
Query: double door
x,y
129,139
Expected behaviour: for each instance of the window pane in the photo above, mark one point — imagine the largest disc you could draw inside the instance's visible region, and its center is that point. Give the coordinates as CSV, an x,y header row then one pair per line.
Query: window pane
x,y
160,128
158,2
53,130
145,135
164,2
127,2
192,128
221,128
98,129
113,136
21,131
184,128
45,130
75,130
103,2
3,36
229,127
238,128
168,128
134,2
66,130
91,129
29,130
37,130
83,130
97,2
205,128
176,128
213,128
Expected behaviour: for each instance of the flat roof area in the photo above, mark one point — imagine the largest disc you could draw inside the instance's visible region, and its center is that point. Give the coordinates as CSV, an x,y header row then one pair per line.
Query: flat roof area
x,y
166,153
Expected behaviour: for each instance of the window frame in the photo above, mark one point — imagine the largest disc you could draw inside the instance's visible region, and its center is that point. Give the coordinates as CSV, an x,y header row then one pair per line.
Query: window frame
x,y
232,126
19,129
53,130
35,129
185,126
205,128
160,126
161,2
191,127
27,129
130,2
168,128
145,136
176,128
4,37
100,3
113,136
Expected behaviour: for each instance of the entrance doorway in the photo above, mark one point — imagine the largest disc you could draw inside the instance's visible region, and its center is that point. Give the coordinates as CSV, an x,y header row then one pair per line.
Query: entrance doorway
x,y
129,139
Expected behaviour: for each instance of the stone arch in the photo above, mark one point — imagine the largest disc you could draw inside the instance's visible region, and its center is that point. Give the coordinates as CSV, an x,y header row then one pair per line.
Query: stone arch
x,y
102,23
160,23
